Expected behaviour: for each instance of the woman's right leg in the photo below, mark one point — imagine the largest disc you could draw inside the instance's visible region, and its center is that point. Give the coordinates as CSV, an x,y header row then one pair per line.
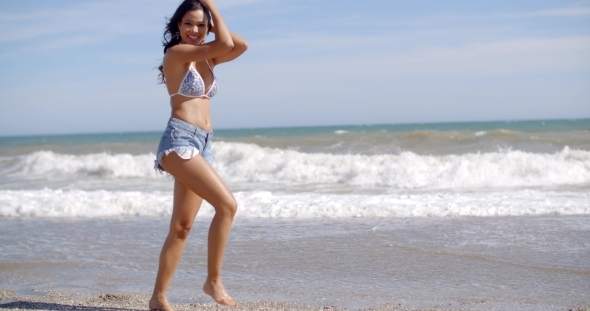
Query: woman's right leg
x,y
198,176
185,208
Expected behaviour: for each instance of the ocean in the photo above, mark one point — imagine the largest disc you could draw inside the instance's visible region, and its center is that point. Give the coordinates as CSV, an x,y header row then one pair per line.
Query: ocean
x,y
482,215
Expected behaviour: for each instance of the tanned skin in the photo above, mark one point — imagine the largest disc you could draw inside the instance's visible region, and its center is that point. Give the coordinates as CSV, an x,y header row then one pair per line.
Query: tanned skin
x,y
194,179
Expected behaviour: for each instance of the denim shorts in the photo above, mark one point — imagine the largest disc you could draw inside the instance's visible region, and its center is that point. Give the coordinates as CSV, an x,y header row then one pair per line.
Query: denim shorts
x,y
186,140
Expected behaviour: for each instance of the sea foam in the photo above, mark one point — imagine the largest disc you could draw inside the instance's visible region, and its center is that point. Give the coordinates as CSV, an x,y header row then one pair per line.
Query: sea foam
x,y
266,204
407,170
249,163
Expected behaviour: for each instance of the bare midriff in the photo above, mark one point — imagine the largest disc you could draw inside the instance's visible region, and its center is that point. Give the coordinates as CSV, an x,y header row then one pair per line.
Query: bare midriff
x,y
195,111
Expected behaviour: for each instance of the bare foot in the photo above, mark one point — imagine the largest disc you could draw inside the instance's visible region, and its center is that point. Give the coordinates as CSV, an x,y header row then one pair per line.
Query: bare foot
x,y
218,293
160,304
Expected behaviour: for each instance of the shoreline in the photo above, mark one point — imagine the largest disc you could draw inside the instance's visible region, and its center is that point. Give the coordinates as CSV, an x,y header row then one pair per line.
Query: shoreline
x,y
64,300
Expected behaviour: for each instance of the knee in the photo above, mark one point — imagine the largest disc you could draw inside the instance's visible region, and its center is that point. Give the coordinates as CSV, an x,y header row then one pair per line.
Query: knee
x,y
228,208
181,229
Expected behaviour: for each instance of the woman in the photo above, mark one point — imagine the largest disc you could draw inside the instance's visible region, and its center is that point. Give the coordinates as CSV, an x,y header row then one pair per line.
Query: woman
x,y
185,147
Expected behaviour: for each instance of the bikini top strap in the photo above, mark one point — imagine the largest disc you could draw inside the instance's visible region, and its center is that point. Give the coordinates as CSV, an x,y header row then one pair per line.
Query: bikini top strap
x,y
207,61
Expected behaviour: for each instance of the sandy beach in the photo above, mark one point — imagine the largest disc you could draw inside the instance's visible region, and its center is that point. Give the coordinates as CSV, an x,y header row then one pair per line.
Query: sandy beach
x,y
60,300
70,301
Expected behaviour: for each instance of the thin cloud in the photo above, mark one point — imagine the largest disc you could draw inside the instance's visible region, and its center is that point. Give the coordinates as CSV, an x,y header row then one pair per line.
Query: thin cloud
x,y
105,17
523,56
65,27
509,57
322,41
559,12
446,19
71,41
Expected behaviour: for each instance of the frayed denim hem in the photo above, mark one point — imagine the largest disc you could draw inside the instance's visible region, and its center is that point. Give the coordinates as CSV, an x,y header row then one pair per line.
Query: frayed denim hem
x,y
183,152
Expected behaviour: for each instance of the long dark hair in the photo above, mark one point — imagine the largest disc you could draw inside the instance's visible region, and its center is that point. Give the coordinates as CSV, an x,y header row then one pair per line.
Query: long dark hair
x,y
171,35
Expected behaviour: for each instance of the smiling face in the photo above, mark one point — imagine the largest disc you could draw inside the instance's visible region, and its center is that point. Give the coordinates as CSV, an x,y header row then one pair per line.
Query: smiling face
x,y
193,27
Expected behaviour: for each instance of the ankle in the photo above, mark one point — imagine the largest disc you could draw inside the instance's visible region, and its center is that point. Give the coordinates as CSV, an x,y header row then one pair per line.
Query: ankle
x,y
159,297
213,280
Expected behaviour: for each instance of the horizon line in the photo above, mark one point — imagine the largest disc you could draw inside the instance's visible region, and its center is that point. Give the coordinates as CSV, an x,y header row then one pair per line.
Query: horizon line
x,y
299,126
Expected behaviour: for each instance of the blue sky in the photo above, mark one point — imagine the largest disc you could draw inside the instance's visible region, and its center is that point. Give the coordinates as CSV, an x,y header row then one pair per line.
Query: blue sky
x,y
70,66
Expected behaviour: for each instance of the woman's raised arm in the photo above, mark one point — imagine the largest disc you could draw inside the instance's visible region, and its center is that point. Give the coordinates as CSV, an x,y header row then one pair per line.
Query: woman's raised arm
x,y
240,46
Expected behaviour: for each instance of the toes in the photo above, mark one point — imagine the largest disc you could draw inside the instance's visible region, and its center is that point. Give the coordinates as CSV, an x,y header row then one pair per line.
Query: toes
x,y
226,300
158,306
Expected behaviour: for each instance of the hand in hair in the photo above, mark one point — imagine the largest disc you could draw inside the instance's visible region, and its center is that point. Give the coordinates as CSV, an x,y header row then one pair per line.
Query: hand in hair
x,y
208,3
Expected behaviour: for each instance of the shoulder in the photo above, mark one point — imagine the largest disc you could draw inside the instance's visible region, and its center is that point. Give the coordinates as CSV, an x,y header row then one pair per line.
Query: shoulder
x,y
172,65
171,59
177,53
171,52
175,48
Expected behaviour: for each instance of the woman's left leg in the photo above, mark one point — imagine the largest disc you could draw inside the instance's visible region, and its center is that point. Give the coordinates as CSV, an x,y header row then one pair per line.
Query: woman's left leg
x,y
185,208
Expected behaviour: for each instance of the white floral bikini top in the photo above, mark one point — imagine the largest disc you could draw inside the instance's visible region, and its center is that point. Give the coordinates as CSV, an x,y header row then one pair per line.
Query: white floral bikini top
x,y
193,85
